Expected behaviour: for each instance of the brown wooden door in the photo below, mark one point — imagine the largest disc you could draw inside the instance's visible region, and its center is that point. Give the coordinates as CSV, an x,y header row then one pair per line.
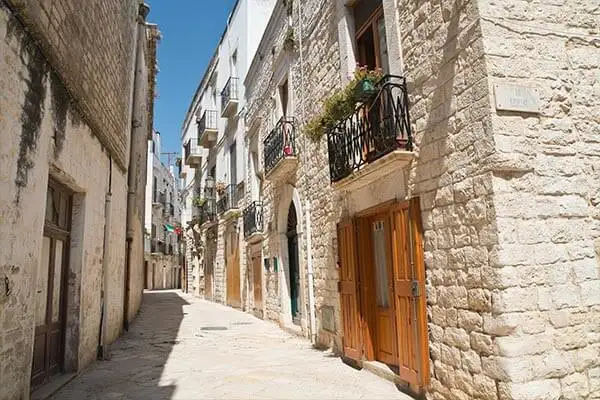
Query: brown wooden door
x,y
409,291
257,283
50,289
349,290
234,298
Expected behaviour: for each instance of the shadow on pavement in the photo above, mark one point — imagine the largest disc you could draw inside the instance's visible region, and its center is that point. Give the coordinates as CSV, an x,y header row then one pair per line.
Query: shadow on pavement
x,y
138,358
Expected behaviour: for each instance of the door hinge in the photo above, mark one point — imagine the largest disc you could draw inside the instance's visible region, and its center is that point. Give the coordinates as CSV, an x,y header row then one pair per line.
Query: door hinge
x,y
415,289
339,284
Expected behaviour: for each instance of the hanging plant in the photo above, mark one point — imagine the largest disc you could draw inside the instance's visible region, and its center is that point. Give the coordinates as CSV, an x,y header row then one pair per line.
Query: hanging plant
x,y
341,104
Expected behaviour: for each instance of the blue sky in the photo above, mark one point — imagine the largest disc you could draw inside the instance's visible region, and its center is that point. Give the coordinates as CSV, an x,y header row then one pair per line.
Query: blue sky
x,y
190,31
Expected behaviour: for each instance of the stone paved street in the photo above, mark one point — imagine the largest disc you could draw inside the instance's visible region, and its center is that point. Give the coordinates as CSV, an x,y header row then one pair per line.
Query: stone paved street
x,y
181,347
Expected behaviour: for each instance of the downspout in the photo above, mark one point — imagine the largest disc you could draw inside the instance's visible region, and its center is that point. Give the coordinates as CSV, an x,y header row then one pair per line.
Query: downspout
x,y
311,289
134,149
103,350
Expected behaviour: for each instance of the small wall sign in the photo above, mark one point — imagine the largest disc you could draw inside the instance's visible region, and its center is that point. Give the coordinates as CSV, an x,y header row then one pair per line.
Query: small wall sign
x,y
516,98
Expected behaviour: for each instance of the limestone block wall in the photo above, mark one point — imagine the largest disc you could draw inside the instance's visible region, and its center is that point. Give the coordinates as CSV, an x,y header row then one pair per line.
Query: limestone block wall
x,y
45,132
219,272
42,135
546,309
94,57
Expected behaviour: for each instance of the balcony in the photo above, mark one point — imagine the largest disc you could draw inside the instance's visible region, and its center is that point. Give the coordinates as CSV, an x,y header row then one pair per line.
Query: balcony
x,y
209,207
159,199
157,246
182,172
208,129
229,98
193,153
253,222
374,141
208,213
280,150
227,206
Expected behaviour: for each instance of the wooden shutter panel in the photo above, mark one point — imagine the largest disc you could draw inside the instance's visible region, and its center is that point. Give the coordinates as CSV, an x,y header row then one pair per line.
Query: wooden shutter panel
x,y
348,287
409,294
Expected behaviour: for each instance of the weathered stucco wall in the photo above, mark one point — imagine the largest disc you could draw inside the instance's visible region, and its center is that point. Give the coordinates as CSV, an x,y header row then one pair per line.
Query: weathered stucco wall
x,y
44,134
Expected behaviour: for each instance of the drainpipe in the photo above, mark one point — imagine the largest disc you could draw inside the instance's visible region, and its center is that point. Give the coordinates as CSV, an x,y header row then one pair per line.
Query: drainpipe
x,y
138,128
311,289
103,351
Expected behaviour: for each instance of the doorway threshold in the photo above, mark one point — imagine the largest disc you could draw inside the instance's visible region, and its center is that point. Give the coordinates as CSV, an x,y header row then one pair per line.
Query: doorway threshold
x,y
54,385
390,373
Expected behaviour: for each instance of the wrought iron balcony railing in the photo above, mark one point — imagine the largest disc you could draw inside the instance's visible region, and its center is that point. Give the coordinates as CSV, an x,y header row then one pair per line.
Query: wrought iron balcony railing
x,y
280,143
229,93
376,128
253,219
208,211
207,122
228,200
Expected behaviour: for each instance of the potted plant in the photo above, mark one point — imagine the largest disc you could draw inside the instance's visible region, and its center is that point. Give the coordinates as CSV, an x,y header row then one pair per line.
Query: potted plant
x,y
366,83
220,187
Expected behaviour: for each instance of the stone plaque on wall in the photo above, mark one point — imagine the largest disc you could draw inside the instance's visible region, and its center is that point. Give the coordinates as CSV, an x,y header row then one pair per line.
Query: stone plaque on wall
x,y
328,318
516,98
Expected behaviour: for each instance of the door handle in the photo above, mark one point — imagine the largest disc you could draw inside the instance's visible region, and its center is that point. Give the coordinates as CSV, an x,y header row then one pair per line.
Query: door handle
x,y
415,290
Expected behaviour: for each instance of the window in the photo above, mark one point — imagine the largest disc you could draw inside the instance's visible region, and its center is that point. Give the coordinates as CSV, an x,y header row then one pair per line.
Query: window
x,y
234,64
284,98
371,39
233,164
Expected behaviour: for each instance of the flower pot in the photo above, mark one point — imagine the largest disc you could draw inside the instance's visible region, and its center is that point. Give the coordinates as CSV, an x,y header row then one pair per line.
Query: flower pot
x,y
365,90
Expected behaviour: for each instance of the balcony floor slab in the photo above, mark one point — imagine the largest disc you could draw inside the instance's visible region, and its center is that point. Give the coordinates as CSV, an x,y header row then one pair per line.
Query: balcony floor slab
x,y
394,161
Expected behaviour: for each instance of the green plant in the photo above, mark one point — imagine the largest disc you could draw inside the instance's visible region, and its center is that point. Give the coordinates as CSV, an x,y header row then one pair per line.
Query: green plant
x,y
341,104
198,201
289,43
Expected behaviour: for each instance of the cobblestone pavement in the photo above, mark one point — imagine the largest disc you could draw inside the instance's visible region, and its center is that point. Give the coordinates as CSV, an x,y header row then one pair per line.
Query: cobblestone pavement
x,y
180,347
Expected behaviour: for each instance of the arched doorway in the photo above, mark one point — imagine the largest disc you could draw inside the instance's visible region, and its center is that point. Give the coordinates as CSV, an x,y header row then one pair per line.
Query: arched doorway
x,y
294,267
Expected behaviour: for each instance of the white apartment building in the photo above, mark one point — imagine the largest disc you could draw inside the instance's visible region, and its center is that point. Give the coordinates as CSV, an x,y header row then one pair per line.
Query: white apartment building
x,y
162,222
213,163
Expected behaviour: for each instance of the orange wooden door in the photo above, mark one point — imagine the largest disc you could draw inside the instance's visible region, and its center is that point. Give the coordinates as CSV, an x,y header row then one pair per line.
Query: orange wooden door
x,y
409,294
348,288
257,274
233,272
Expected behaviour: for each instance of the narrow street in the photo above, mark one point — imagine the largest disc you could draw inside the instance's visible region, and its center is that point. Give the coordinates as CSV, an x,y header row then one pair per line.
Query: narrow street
x,y
180,347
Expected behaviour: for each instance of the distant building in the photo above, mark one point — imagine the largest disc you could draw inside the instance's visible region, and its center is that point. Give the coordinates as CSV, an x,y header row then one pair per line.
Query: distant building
x,y
214,159
76,111
163,222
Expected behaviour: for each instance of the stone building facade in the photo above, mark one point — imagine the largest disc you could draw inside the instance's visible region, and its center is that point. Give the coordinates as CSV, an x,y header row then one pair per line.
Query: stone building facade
x,y
162,222
214,161
502,177
76,94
